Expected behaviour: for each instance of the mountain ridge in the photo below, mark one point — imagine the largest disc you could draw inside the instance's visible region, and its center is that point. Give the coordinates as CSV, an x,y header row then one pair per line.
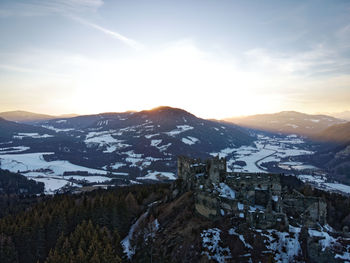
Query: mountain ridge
x,y
144,143
30,117
287,122
338,133
8,129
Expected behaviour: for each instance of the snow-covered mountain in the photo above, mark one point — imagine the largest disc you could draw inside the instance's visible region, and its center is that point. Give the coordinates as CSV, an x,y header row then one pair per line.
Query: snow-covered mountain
x,y
143,139
134,145
288,122
139,146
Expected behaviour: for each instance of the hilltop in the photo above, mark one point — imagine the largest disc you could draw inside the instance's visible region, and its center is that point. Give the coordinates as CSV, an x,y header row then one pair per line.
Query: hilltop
x,y
287,122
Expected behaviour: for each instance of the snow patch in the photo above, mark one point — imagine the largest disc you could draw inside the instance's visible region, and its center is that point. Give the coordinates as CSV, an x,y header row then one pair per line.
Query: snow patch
x,y
14,149
57,129
20,136
104,140
149,136
211,244
128,249
189,140
117,165
225,191
35,161
155,143
179,129
232,231
155,175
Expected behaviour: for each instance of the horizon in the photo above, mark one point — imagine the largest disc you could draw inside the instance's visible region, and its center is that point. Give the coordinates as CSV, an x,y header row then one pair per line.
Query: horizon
x,y
160,106
215,60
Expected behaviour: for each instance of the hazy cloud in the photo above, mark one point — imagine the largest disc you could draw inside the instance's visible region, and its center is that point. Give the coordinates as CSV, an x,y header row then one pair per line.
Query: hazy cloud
x,y
69,6
277,57
41,8
319,59
128,41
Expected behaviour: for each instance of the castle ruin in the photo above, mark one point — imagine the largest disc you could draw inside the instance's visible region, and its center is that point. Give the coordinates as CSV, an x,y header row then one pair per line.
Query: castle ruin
x,y
255,198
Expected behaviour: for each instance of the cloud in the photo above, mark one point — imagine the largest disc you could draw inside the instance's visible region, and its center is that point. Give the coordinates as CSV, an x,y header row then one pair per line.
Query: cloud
x,y
179,74
320,59
30,71
42,8
344,33
68,6
128,41
16,68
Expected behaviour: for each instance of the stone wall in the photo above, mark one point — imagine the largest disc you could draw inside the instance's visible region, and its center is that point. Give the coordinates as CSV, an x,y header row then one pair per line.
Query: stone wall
x,y
258,196
308,210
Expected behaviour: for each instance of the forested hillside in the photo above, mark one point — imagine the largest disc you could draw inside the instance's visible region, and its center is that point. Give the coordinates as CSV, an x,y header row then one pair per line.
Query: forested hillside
x,y
83,228
89,227
13,183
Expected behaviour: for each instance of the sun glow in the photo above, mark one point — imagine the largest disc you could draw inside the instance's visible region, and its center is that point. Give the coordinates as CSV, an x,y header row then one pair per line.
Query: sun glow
x,y
179,75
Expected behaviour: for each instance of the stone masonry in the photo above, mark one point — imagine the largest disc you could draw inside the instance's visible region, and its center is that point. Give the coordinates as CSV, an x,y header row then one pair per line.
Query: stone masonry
x,y
255,198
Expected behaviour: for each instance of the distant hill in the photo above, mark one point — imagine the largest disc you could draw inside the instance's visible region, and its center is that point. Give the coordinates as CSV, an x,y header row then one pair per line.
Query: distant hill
x,y
345,115
69,115
288,122
31,117
339,133
25,116
332,151
9,129
157,132
145,143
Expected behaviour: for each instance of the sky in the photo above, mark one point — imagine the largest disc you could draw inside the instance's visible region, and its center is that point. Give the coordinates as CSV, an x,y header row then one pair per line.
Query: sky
x,y
215,59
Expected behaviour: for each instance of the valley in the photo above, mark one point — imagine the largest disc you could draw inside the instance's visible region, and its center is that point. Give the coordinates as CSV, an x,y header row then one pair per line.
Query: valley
x,y
123,168
118,149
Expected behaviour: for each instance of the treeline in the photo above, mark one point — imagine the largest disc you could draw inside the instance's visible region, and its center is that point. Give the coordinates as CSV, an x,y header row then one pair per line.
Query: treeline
x,y
12,203
81,228
88,243
13,183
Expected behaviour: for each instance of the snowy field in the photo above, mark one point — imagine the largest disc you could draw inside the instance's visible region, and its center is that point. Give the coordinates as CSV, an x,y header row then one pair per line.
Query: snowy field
x,y
156,176
54,183
105,140
239,159
14,149
265,149
320,182
35,162
33,166
51,184
35,135
297,166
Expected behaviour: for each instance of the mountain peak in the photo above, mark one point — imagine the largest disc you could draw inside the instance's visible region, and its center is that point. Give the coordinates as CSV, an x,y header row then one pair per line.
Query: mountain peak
x,y
290,112
168,110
